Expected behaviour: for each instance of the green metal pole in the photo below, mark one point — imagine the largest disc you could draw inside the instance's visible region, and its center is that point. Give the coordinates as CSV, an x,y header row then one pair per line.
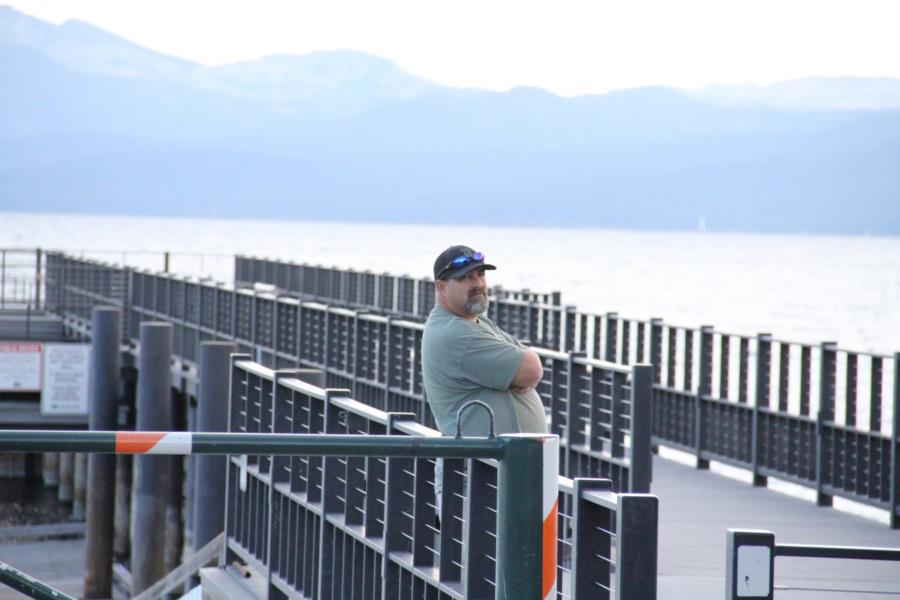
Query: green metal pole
x,y
308,444
526,525
28,585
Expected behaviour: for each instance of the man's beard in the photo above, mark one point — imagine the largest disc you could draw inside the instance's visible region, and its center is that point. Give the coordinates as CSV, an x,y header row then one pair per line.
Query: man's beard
x,y
476,305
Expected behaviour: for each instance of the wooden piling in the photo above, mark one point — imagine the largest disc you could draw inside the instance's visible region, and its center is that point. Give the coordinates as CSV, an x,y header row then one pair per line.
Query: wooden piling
x,y
103,398
151,477
212,415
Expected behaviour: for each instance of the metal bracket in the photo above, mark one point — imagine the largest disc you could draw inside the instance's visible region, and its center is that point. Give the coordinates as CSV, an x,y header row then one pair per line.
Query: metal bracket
x,y
491,434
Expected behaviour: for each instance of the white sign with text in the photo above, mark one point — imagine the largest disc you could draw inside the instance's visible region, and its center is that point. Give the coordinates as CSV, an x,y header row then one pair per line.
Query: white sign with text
x,y
20,366
66,368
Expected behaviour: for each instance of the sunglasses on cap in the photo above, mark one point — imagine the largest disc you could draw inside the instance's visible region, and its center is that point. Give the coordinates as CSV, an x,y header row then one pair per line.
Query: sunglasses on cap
x,y
461,261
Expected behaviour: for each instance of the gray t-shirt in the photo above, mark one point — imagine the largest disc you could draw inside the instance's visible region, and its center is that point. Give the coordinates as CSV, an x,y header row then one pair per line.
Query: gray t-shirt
x,y
466,360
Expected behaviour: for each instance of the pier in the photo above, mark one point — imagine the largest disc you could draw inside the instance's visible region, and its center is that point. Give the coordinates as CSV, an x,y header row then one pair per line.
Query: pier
x,y
819,417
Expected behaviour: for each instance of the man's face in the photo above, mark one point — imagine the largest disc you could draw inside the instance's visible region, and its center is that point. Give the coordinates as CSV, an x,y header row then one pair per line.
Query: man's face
x,y
465,296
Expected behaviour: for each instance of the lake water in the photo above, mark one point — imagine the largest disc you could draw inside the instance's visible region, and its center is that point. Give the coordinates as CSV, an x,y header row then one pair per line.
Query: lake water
x,y
797,287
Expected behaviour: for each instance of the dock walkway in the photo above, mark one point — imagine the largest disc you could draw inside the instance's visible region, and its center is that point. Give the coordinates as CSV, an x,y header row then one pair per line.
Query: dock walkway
x,y
696,507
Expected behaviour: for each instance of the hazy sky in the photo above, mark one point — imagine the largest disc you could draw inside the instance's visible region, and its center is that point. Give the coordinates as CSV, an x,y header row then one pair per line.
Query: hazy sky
x,y
567,46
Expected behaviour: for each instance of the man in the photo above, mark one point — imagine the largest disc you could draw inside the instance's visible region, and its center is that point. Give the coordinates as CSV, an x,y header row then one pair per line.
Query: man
x,y
465,356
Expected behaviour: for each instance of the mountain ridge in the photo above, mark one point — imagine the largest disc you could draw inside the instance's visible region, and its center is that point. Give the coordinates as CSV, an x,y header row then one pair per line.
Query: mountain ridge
x,y
345,133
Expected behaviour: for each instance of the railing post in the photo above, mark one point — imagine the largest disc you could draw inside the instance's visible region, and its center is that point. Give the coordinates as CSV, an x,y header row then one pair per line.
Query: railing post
x,y
704,391
641,428
749,565
825,416
37,278
637,531
151,478
572,424
612,336
761,401
895,448
656,325
568,329
526,521
586,545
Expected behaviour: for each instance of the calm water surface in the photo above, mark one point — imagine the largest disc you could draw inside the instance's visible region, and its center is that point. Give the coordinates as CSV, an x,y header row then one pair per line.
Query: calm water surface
x,y
796,287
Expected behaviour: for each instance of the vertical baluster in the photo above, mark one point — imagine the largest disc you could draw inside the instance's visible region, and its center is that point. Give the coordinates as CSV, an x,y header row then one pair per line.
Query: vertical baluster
x,y
762,444
582,333
612,337
875,393
688,366
641,346
724,364
805,380
743,370
670,358
784,366
569,341
704,390
656,328
597,341
850,390
388,363
825,423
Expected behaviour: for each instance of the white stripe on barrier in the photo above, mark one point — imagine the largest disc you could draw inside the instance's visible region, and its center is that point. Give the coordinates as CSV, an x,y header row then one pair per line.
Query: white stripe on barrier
x,y
551,474
175,442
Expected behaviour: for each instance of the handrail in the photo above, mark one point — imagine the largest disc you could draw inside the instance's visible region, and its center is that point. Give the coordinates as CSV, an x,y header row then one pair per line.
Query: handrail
x,y
525,535
28,585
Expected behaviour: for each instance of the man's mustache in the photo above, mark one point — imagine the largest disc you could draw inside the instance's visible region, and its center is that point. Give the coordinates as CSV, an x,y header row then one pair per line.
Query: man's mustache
x,y
476,292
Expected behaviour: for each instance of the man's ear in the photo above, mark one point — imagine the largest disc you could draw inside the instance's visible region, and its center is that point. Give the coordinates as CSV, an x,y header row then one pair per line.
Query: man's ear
x,y
439,285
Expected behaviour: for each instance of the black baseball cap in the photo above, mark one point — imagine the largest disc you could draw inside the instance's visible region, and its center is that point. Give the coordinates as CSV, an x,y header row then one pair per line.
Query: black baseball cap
x,y
456,261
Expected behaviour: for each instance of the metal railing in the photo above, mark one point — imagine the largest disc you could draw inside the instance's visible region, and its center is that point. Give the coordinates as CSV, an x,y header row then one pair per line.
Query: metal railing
x,y
818,416
28,585
751,554
815,415
351,527
600,410
396,295
328,497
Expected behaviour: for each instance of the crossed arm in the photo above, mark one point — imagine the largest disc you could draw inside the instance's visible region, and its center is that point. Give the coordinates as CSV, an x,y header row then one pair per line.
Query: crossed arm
x,y
528,375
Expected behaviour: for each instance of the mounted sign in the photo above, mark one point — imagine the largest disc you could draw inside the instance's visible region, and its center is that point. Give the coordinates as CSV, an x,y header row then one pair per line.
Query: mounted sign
x,y
20,366
66,368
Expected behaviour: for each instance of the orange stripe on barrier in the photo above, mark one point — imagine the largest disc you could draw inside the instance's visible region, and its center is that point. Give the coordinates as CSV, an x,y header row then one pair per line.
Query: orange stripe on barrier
x,y
548,580
137,442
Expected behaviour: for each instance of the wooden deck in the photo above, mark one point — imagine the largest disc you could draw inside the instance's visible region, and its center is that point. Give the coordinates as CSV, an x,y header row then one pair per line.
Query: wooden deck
x,y
697,507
